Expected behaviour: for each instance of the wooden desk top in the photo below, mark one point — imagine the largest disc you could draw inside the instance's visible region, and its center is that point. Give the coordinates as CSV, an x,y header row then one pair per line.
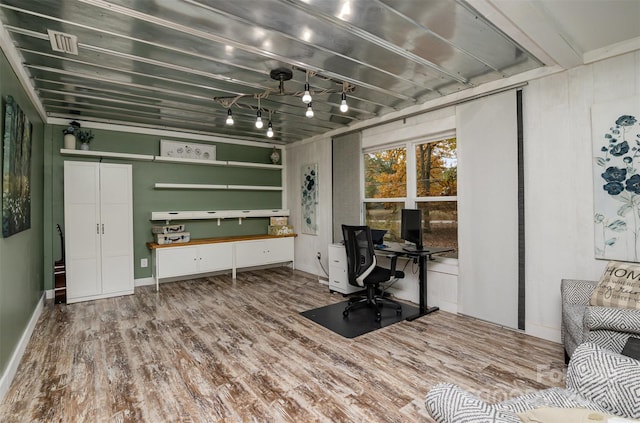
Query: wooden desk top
x,y
198,241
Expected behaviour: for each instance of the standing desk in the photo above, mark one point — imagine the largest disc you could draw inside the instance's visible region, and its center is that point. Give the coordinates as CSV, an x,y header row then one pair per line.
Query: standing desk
x,y
422,256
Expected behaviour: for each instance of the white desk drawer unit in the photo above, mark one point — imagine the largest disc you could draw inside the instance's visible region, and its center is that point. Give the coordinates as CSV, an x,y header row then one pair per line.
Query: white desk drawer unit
x,y
338,278
210,255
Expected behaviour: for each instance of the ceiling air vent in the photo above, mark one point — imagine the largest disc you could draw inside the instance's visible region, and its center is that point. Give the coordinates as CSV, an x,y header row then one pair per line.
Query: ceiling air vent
x,y
63,42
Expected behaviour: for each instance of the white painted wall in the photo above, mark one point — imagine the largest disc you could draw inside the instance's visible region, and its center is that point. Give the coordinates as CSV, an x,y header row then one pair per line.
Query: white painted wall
x,y
306,246
558,190
559,183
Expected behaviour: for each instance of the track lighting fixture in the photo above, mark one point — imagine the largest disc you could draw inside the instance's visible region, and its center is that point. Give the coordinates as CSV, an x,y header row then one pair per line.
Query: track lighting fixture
x,y
343,104
282,75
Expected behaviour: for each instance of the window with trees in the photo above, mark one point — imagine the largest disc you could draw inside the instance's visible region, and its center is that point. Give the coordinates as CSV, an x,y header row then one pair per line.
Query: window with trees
x,y
414,175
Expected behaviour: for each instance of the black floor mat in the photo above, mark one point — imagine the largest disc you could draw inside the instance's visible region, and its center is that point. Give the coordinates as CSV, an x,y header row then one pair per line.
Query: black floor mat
x,y
359,321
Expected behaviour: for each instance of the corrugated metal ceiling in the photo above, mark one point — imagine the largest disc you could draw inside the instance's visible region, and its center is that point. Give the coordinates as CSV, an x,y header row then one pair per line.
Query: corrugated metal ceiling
x,y
163,63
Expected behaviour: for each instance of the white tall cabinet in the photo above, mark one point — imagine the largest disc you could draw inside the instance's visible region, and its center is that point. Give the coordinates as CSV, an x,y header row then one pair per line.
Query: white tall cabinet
x,y
98,217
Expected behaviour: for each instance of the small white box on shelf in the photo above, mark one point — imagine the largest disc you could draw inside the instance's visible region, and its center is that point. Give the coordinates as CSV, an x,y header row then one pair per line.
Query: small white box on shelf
x,y
167,229
174,238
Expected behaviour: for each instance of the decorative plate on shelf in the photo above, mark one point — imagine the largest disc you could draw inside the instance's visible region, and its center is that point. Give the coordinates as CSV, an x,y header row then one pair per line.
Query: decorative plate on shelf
x,y
184,150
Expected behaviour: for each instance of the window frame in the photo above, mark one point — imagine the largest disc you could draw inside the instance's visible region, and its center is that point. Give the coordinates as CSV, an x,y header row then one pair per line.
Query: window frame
x,y
411,200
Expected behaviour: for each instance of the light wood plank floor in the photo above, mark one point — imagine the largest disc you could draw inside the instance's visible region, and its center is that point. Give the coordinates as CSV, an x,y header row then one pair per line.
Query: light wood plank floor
x,y
215,350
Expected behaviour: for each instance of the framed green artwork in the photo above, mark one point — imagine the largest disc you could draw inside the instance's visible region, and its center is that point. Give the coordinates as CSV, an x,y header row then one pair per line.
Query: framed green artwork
x,y
16,170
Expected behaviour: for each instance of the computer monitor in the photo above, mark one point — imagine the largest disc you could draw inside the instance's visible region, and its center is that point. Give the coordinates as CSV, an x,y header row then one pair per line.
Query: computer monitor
x,y
377,236
411,227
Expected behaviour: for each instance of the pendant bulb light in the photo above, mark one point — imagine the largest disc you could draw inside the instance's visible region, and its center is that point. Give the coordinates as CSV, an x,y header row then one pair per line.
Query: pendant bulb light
x,y
270,130
259,123
306,97
309,112
229,117
344,107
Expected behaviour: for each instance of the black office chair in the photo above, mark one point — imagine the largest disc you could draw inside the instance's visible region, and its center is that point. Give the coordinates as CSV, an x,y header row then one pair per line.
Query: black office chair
x,y
363,272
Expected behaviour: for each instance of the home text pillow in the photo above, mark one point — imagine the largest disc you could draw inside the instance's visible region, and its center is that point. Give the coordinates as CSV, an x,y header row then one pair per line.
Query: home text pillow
x,y
619,286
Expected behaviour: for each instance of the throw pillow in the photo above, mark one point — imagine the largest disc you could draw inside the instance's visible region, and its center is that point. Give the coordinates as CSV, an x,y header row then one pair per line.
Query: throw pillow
x,y
632,348
619,286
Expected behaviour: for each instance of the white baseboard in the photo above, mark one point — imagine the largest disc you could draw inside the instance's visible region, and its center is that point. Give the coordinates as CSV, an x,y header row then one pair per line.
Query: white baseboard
x,y
136,282
550,334
18,352
144,282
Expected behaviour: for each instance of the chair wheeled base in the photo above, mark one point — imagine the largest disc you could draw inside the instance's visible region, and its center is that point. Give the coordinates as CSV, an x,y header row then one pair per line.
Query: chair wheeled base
x,y
373,301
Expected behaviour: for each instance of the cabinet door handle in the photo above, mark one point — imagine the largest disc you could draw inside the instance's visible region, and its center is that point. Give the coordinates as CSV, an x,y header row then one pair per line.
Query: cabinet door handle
x,y
98,228
103,229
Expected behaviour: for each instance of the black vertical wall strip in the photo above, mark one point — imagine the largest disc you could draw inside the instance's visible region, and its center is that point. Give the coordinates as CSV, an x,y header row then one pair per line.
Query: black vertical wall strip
x,y
521,233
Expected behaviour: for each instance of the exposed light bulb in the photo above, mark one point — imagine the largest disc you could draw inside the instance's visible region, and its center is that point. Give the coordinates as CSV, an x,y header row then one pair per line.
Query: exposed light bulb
x,y
259,123
309,112
270,130
229,117
343,104
306,97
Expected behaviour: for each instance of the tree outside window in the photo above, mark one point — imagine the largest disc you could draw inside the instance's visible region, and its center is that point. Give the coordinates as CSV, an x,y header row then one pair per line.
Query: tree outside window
x,y
385,173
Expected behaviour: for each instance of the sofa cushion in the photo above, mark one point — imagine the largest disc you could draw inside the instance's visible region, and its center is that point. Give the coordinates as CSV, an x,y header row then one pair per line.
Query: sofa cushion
x,y
632,348
574,331
619,286
610,380
446,403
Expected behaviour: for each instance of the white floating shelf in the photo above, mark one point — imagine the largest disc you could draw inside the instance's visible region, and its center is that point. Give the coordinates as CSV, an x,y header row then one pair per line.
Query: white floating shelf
x,y
190,186
216,214
162,185
189,161
256,165
254,187
90,153
166,159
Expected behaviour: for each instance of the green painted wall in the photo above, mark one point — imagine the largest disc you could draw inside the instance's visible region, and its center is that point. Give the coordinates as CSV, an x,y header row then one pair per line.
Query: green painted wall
x,y
147,199
21,255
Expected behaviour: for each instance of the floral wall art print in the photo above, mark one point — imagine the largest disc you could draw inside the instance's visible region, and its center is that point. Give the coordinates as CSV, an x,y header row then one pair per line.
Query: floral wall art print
x,y
16,170
616,150
309,198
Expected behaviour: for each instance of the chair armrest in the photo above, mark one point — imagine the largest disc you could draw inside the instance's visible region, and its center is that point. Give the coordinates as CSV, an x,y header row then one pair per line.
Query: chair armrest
x,y
610,380
625,320
577,292
448,403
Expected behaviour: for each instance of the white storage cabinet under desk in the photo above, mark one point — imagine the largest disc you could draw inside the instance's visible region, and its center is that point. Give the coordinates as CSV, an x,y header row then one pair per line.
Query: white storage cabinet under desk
x,y
194,259
216,254
338,277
